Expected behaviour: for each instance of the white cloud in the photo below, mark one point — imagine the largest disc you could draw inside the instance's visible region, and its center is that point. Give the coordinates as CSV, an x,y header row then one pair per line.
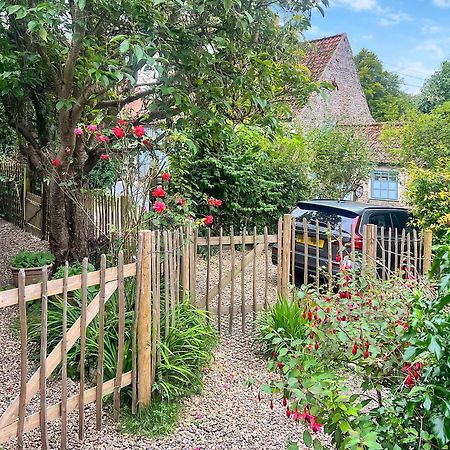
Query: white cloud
x,y
429,27
389,17
413,74
358,5
442,3
433,47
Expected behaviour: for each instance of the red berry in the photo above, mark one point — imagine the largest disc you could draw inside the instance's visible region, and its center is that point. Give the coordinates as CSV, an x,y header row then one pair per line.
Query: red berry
x,y
355,349
280,365
274,355
271,404
288,412
284,401
366,354
316,346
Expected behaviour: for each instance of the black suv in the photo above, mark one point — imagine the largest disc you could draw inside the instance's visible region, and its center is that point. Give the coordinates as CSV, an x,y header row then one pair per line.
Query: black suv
x,y
338,212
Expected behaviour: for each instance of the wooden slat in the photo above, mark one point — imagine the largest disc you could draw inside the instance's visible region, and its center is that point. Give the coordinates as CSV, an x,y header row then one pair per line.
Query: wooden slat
x,y
305,251
153,336
157,301
177,265
389,251
279,254
101,345
208,266
23,359
402,250
340,245
272,238
408,253
64,361
55,287
134,335
84,293
54,358
120,337
254,278
266,277
352,240
166,284
233,275
383,253
292,252
396,262
172,272
317,254
192,244
427,250
244,232
144,323
330,256
54,412
219,299
43,362
415,248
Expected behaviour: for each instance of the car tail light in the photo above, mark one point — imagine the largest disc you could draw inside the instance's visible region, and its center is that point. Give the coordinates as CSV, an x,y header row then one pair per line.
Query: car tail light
x,y
358,237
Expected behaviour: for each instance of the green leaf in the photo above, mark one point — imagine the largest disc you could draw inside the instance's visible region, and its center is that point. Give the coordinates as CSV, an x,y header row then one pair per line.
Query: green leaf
x,y
13,9
81,4
266,388
317,445
227,5
441,429
43,33
307,438
435,347
293,446
138,52
124,46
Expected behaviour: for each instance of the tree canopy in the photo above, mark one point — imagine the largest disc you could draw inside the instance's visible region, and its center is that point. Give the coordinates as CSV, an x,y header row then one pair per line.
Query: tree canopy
x,y
387,102
191,62
436,90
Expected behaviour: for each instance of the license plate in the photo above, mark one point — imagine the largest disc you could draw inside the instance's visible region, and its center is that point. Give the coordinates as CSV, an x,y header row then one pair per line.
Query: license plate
x,y
311,241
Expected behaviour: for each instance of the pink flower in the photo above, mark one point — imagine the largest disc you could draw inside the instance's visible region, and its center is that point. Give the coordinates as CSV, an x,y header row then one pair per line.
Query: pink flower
x,y
118,132
218,203
139,131
159,192
56,162
211,201
92,128
159,207
78,131
121,122
104,157
209,220
181,201
166,176
101,138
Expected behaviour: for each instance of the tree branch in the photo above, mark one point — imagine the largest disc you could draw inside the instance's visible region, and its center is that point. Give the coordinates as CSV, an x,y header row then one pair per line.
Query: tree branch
x,y
124,101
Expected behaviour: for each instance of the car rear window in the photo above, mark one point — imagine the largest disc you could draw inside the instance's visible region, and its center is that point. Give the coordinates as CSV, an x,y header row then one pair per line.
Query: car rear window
x,y
325,216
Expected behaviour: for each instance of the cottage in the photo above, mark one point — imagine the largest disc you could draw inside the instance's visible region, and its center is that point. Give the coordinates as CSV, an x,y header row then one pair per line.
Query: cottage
x,y
330,59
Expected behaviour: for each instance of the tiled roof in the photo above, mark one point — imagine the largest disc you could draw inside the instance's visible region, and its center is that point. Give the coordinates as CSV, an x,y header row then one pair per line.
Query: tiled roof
x,y
319,53
373,133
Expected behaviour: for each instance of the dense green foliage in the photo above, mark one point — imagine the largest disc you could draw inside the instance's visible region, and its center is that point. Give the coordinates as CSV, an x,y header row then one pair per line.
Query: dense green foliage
x,y
370,370
25,260
436,90
422,146
386,100
340,160
9,141
258,177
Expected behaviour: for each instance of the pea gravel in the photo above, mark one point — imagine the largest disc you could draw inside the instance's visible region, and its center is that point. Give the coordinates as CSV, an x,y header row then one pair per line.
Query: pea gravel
x,y
226,415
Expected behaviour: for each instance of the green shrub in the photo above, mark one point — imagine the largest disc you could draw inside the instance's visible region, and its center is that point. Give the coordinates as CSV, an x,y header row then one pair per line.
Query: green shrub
x,y
25,260
74,269
257,177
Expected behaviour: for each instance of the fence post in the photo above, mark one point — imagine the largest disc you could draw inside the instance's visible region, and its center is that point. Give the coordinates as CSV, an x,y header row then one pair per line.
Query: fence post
x,y
286,254
144,368
427,250
370,248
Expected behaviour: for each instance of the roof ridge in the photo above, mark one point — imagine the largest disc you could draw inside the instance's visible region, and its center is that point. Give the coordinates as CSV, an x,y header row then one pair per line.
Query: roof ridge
x,y
327,37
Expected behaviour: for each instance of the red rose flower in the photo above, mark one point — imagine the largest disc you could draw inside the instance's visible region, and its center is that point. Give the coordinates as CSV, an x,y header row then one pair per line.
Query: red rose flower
x,y
104,157
181,201
159,207
218,203
139,131
121,122
338,258
166,176
56,162
209,220
159,192
101,138
211,201
118,132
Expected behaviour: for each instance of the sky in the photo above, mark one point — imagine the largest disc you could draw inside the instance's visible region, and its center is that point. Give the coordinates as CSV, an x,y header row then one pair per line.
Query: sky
x,y
411,37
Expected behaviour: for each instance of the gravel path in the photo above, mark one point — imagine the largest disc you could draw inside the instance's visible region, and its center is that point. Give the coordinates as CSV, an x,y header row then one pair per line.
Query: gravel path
x,y
226,415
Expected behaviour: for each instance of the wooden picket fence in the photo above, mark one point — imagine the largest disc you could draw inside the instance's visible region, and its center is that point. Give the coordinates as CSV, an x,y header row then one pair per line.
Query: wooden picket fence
x,y
12,199
230,275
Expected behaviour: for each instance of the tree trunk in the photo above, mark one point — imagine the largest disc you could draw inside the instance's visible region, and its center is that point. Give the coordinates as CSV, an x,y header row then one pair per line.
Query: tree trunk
x,y
67,225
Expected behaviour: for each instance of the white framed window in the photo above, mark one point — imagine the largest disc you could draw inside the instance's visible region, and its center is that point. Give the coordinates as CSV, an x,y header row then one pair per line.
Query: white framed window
x,y
384,185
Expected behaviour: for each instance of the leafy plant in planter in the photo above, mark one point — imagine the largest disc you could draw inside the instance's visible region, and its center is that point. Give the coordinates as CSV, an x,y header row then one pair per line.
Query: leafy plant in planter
x,y
32,263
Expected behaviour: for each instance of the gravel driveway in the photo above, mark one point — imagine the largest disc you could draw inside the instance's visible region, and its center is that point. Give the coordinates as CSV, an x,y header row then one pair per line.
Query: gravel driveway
x,y
226,415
